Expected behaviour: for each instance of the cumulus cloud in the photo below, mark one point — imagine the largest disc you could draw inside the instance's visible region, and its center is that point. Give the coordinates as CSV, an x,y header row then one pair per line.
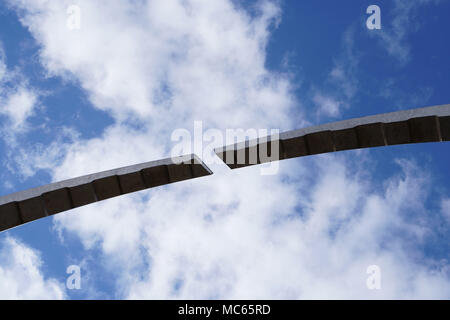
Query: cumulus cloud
x,y
255,237
161,60
309,232
21,276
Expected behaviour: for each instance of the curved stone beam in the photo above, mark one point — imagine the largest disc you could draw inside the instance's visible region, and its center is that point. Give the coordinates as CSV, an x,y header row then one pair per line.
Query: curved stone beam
x,y
29,205
430,124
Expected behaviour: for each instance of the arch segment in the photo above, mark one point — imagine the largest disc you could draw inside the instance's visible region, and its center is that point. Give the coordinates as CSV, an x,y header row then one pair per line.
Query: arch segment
x,y
430,124
29,205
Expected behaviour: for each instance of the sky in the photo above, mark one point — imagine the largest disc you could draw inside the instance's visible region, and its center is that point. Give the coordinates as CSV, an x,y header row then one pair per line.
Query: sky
x,y
87,86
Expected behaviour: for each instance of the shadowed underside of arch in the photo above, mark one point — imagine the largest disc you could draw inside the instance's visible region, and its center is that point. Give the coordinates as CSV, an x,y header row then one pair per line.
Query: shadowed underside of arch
x,y
430,124
29,205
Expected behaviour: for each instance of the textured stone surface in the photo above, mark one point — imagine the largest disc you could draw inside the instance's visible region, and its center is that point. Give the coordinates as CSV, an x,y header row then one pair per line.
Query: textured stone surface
x,y
345,139
32,209
9,216
294,147
106,188
424,129
132,182
199,171
397,132
179,172
57,201
371,135
82,195
320,142
444,124
156,176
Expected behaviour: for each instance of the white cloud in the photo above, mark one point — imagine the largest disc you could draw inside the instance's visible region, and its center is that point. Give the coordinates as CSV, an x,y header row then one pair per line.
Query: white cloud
x,y
342,80
255,237
26,160
445,208
17,99
309,232
328,105
21,276
346,65
161,60
3,67
18,106
394,35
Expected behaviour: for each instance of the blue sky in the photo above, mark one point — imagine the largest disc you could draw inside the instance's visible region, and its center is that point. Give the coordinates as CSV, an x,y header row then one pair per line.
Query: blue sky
x,y
75,101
